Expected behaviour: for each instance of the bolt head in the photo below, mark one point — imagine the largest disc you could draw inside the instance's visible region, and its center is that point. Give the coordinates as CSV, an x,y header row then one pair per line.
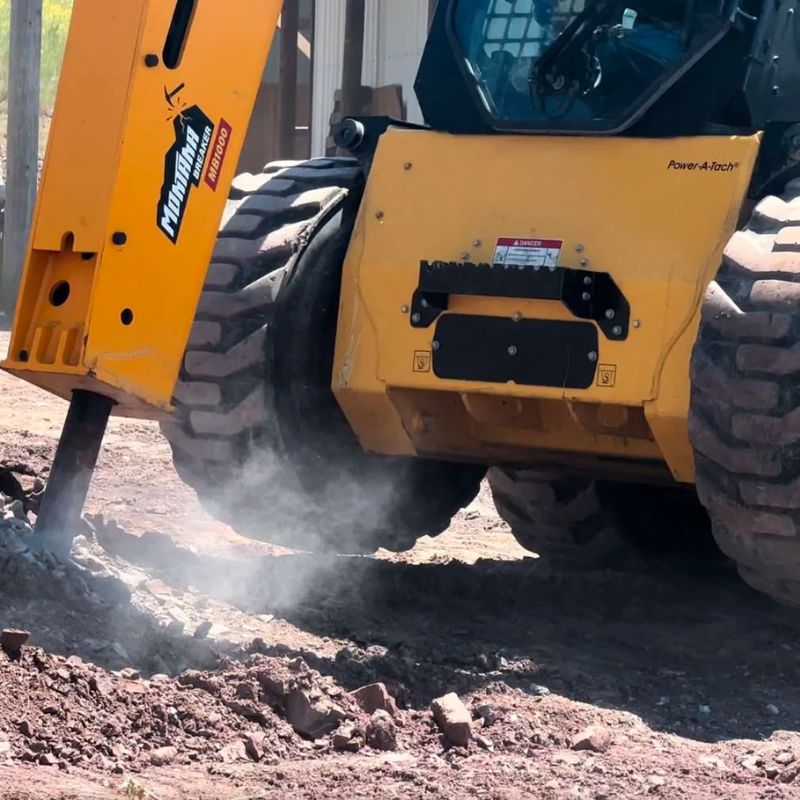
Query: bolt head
x,y
425,303
592,356
512,351
610,314
637,323
379,215
404,309
407,166
477,243
586,297
435,345
584,262
587,281
416,318
517,316
465,256
579,248
617,330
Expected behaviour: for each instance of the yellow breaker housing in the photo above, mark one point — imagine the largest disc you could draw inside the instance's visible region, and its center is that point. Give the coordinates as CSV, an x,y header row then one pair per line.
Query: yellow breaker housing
x,y
146,135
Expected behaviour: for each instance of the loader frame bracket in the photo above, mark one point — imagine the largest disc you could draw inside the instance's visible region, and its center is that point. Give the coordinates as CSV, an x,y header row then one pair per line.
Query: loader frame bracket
x,y
588,295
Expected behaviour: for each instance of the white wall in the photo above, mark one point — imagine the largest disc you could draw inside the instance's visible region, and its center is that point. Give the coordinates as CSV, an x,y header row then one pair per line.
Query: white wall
x,y
395,32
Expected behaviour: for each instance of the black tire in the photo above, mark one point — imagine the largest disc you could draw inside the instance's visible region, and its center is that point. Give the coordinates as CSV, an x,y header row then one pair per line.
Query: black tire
x,y
552,515
256,430
744,420
571,518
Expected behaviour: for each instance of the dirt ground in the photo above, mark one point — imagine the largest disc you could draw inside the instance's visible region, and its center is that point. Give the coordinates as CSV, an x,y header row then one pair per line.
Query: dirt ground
x,y
174,659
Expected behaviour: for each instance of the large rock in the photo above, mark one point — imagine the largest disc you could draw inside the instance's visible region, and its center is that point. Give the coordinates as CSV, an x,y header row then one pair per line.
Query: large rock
x,y
254,746
375,697
348,739
12,641
314,718
163,756
595,738
453,719
381,731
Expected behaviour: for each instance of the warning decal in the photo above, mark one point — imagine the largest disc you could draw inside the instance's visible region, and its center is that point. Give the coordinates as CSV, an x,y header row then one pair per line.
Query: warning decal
x,y
607,376
422,361
515,252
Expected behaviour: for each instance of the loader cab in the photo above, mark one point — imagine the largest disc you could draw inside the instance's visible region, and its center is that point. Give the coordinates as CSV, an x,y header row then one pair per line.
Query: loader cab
x,y
644,67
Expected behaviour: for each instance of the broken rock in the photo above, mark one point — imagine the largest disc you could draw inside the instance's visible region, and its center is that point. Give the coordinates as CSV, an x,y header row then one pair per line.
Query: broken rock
x,y
753,763
595,738
453,719
314,718
247,691
381,731
487,713
375,697
200,680
348,739
231,753
790,773
163,756
254,746
203,629
12,641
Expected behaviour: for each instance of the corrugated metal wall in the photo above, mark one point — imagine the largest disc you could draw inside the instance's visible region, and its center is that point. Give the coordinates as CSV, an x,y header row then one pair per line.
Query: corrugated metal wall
x,y
395,32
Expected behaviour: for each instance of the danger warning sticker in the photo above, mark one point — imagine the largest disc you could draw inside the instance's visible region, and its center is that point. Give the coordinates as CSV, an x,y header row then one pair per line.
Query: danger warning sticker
x,y
528,252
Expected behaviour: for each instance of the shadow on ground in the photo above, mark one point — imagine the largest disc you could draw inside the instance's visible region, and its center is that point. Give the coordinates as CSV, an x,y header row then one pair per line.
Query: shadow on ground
x,y
682,643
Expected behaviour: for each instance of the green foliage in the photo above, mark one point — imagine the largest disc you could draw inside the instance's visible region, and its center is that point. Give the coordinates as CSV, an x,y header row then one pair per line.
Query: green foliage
x,y
55,26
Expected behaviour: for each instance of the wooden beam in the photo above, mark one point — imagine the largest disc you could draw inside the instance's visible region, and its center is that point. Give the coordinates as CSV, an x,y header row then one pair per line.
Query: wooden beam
x,y
290,28
24,77
353,61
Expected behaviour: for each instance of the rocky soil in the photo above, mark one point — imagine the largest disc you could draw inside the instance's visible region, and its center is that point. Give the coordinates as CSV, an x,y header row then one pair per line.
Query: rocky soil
x,y
170,658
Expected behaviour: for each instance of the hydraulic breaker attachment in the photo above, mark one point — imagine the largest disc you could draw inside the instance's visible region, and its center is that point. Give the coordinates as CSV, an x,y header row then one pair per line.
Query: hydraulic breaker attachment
x,y
153,106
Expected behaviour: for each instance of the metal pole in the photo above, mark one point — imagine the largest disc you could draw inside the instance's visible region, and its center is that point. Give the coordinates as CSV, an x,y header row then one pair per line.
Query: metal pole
x,y
71,473
24,76
290,28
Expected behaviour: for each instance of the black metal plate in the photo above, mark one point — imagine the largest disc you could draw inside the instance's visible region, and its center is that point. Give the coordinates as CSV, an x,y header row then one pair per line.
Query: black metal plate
x,y
588,295
547,352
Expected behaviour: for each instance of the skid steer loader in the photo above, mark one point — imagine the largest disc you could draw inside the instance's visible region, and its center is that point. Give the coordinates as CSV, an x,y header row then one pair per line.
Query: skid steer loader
x,y
582,273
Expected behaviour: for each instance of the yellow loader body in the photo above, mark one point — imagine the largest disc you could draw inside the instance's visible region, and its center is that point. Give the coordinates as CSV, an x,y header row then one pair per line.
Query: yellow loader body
x,y
655,214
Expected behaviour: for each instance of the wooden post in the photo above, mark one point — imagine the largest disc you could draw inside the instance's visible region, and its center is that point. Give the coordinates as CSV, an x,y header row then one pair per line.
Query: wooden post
x,y
24,75
290,28
353,67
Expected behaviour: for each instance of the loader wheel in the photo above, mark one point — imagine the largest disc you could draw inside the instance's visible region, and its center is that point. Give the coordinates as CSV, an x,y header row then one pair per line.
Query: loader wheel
x,y
571,518
552,515
744,420
257,431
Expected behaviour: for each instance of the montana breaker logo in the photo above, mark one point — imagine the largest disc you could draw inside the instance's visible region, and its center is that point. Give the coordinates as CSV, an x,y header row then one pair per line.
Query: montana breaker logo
x,y
183,168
